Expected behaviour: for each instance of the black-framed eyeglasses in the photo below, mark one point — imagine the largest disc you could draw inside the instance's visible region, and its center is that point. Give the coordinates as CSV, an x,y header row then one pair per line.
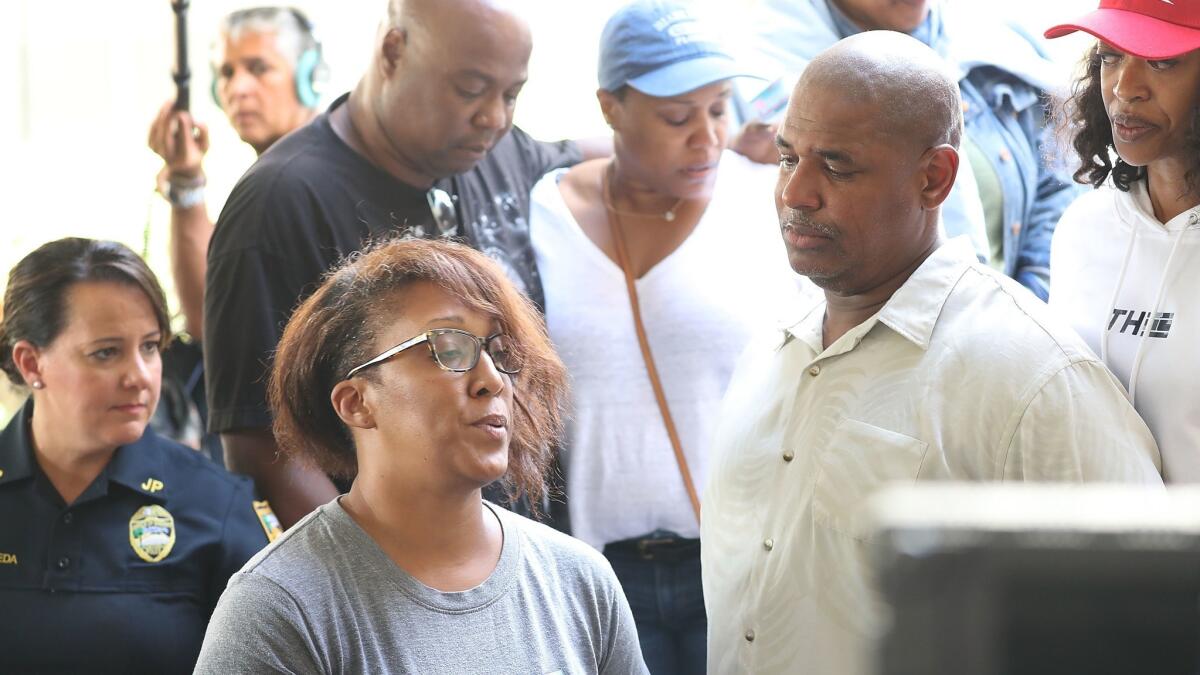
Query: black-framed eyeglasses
x,y
457,351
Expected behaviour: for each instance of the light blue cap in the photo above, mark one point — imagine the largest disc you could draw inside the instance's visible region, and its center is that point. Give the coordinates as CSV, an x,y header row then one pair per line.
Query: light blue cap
x,y
661,49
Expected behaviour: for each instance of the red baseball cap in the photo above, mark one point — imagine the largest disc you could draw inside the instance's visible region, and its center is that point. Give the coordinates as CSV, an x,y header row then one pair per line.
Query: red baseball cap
x,y
1150,29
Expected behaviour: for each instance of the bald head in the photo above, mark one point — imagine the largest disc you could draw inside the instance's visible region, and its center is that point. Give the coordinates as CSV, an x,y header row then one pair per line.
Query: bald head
x,y
453,20
440,34
443,86
907,83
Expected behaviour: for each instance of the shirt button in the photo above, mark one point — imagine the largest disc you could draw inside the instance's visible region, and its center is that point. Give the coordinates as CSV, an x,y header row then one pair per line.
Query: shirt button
x,y
1005,155
1016,228
64,562
749,636
68,518
814,371
769,543
788,455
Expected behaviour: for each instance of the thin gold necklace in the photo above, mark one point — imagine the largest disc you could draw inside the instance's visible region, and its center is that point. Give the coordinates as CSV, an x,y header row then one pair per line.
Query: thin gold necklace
x,y
606,194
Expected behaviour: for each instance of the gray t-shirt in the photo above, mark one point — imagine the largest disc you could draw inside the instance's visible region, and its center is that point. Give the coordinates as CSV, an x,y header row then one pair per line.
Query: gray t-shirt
x,y
324,598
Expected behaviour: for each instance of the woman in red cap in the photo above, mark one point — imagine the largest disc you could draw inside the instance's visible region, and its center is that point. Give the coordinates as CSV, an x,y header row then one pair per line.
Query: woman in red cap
x,y
1126,258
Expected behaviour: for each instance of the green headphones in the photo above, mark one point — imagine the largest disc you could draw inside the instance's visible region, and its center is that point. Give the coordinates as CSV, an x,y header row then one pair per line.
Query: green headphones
x,y
310,71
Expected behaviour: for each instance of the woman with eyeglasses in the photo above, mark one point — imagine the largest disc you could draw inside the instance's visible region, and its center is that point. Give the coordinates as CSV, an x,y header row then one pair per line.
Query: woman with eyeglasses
x,y
1126,257
419,370
658,265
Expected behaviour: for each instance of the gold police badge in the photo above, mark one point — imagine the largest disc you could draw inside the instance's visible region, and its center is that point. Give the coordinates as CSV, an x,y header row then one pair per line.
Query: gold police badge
x,y
152,533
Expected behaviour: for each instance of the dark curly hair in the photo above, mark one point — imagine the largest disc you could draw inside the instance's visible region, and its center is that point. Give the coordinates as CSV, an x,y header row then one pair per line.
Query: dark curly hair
x,y
335,328
1084,120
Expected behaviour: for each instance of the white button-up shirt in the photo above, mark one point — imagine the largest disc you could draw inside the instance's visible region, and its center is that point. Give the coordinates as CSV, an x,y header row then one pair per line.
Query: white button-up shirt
x,y
962,375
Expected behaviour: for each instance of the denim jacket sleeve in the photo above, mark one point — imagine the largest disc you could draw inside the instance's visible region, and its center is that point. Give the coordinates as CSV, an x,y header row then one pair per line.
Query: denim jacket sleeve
x,y
1006,117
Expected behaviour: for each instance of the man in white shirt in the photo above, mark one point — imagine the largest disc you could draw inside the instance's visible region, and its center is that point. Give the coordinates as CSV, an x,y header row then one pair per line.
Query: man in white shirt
x,y
921,364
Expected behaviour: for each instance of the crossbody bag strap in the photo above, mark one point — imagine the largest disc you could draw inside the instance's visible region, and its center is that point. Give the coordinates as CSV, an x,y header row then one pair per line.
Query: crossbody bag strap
x,y
651,370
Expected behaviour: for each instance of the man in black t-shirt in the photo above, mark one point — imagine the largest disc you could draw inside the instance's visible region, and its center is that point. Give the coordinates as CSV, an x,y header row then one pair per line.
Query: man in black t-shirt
x,y
423,145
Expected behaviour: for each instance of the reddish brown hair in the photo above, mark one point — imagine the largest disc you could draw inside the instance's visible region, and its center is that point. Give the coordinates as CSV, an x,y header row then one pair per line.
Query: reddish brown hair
x,y
335,329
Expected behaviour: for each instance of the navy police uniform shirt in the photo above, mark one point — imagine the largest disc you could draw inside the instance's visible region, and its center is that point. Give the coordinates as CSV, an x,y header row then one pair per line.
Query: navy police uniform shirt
x,y
124,579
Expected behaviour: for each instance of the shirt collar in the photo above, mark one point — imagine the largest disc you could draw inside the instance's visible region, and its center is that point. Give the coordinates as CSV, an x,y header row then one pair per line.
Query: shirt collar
x,y
135,466
807,328
913,310
140,468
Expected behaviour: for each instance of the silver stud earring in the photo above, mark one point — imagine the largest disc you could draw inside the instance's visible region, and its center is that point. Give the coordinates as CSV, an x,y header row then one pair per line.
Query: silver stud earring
x,y
37,384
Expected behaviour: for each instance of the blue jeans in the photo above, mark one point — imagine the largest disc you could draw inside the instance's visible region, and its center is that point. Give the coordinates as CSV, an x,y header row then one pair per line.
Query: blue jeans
x,y
667,600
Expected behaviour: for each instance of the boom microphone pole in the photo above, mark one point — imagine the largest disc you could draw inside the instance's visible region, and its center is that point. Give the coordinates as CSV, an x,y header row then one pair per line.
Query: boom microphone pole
x,y
182,74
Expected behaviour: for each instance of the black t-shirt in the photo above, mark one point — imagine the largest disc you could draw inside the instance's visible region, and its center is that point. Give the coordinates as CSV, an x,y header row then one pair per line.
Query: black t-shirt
x,y
309,201
125,578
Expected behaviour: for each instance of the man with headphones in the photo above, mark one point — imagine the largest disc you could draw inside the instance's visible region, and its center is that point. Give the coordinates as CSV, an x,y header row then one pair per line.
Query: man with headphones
x,y
267,72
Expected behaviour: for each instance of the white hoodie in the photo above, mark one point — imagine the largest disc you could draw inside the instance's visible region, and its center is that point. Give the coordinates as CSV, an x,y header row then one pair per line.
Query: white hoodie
x,y
1130,286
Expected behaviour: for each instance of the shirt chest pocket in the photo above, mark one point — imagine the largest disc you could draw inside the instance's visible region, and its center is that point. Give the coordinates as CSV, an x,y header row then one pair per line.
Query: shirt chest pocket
x,y
857,461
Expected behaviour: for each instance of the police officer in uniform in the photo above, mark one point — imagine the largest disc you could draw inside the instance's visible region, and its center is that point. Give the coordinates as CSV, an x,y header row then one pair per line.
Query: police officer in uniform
x,y
115,543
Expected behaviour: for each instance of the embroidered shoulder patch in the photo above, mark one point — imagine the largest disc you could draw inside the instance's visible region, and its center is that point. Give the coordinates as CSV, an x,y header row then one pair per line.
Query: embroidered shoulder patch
x,y
266,518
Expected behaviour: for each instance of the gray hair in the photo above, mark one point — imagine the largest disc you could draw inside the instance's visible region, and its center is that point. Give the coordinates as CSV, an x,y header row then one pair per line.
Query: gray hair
x,y
292,29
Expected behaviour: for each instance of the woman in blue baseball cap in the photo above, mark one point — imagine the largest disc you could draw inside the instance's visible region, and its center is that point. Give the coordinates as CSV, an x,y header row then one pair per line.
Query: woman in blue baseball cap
x,y
658,264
